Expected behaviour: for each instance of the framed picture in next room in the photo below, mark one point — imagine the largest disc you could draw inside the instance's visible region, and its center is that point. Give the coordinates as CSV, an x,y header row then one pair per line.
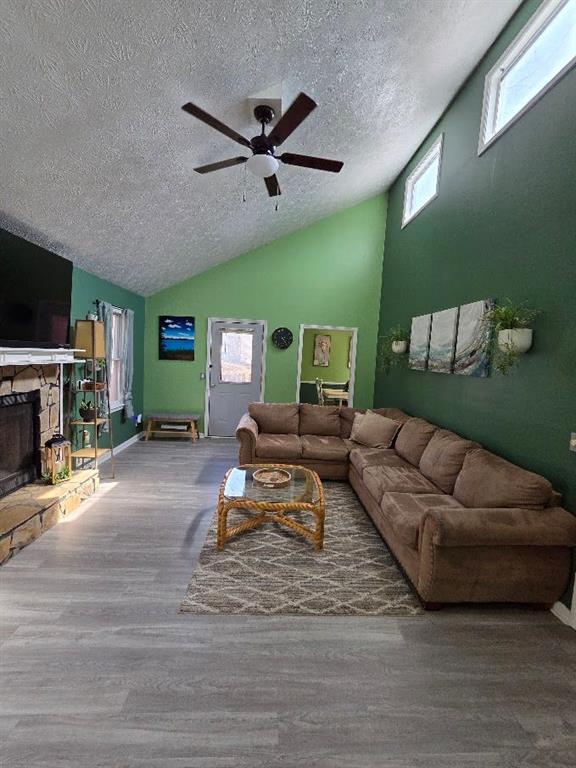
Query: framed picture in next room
x,y
419,341
175,337
322,345
443,340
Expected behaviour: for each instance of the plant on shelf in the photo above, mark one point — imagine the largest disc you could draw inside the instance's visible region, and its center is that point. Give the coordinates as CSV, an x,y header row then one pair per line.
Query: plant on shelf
x,y
391,348
511,325
87,410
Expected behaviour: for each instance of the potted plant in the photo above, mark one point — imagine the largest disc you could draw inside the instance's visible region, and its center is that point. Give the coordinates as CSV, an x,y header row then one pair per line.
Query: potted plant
x,y
87,410
392,346
511,323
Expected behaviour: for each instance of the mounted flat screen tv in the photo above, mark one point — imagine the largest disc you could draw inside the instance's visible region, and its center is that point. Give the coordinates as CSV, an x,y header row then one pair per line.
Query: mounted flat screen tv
x,y
35,295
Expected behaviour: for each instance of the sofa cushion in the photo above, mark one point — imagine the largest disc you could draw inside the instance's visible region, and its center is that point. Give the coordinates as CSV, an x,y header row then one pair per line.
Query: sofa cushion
x,y
443,458
380,480
374,430
319,420
347,419
276,418
324,448
413,439
392,413
487,480
362,457
278,446
405,512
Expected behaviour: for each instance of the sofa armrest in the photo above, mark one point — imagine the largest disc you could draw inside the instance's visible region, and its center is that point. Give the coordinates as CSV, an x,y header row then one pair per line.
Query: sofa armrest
x,y
467,527
247,434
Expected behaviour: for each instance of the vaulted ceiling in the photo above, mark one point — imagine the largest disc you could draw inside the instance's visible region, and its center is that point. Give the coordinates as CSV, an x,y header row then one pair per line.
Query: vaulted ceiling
x,y
96,155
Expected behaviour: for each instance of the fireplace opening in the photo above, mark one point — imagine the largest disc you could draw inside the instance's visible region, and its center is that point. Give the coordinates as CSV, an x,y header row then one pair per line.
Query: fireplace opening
x,y
19,440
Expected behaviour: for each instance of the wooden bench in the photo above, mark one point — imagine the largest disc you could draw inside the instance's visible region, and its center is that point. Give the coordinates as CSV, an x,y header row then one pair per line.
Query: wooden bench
x,y
156,420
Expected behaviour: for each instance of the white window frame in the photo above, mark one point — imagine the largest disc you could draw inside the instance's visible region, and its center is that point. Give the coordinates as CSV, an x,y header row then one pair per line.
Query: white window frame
x,y
521,43
115,405
435,152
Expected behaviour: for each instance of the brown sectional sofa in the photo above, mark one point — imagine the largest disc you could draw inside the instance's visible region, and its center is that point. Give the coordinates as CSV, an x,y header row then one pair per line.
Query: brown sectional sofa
x,y
464,524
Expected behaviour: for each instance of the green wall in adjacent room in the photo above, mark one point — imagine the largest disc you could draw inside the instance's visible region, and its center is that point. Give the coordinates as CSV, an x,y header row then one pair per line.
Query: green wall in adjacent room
x,y
86,288
326,274
503,225
337,371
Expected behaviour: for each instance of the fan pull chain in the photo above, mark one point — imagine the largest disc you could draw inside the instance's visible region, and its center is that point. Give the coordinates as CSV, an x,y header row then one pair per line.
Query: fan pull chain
x,y
244,186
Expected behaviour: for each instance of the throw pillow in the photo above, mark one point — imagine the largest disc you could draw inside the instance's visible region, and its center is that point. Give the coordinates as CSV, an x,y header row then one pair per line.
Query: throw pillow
x,y
374,430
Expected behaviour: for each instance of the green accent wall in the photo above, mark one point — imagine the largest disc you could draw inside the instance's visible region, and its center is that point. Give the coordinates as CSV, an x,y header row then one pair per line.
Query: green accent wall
x,y
503,225
338,370
86,288
326,274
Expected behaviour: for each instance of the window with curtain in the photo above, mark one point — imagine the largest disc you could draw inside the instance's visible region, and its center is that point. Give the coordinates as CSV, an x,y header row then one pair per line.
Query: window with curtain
x,y
119,332
117,360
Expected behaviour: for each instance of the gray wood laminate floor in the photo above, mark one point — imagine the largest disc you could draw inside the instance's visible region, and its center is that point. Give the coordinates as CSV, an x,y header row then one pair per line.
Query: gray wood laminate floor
x,y
100,669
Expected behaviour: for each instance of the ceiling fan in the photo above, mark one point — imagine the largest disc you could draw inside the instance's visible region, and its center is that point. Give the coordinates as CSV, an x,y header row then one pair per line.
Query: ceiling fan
x,y
264,162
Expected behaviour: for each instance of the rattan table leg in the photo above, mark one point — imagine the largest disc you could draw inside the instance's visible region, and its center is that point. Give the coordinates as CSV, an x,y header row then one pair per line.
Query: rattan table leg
x,y
222,519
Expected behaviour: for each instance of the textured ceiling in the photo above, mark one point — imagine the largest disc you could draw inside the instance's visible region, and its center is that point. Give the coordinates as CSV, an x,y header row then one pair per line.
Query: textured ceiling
x,y
96,155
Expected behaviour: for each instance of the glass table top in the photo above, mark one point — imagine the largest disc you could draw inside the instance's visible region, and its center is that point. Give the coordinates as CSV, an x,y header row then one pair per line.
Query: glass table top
x,y
240,484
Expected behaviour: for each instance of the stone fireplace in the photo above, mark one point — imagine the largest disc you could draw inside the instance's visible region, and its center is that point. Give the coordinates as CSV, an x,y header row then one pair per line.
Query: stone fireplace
x,y
29,416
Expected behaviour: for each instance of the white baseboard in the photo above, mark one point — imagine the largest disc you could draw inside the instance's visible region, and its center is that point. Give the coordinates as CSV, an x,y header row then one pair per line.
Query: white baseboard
x,y
565,615
122,447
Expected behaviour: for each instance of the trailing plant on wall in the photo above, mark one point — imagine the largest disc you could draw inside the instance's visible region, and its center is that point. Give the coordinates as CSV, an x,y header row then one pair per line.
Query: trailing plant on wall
x,y
391,348
513,336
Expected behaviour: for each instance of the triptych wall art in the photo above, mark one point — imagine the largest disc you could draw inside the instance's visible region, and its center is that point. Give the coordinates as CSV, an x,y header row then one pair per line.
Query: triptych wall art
x,y
453,340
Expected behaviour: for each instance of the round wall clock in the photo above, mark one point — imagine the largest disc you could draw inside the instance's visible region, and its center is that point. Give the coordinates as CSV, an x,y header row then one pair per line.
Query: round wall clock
x,y
282,338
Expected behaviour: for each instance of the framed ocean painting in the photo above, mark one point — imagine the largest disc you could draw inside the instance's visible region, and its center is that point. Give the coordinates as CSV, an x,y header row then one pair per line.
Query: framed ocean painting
x,y
419,341
473,341
175,337
443,340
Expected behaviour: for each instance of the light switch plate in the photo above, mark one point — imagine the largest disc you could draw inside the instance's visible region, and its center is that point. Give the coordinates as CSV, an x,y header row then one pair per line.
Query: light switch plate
x,y
573,441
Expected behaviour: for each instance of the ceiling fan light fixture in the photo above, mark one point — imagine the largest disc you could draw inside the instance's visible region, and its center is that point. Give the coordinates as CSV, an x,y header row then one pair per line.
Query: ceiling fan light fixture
x,y
262,165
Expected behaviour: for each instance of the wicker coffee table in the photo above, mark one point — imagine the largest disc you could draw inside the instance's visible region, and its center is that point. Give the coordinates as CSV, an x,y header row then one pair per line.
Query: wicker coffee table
x,y
271,505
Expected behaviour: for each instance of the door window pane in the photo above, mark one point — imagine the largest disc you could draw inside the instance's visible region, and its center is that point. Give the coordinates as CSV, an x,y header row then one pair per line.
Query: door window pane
x,y
236,357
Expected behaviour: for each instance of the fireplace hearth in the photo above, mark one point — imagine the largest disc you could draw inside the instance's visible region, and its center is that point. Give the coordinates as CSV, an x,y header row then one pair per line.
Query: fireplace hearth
x,y
19,440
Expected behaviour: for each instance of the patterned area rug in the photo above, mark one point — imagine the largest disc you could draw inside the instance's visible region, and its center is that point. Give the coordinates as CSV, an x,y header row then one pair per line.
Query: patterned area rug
x,y
270,570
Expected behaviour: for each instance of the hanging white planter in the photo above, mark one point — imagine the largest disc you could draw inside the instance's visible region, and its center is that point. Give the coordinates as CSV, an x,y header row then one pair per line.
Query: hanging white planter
x,y
399,347
519,339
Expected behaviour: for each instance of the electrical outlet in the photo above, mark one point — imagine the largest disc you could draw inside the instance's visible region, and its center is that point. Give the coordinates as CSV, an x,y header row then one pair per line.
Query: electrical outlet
x,y
573,441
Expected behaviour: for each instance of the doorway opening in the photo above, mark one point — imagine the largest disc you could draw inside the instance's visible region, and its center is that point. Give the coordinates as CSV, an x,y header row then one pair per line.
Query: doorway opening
x,y
326,365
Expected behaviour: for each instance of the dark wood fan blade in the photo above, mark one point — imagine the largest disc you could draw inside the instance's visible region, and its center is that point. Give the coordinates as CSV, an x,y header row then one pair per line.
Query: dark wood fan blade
x,y
318,163
272,186
195,111
291,119
222,164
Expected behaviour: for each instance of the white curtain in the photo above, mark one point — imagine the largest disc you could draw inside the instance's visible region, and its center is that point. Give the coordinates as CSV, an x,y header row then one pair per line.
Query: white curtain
x,y
127,355
105,314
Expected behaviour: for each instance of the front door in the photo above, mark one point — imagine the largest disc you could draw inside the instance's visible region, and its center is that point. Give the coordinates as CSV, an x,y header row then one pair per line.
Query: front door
x,y
235,373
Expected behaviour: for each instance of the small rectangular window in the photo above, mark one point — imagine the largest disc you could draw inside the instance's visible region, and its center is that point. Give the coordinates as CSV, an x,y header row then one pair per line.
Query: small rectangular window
x,y
236,357
422,184
539,56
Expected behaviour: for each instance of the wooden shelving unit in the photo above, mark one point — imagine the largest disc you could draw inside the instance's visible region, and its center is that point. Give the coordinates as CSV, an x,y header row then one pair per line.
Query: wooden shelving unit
x,y
90,338
89,453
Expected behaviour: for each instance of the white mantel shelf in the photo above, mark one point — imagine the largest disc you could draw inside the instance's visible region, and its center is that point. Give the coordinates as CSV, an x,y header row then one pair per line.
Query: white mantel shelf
x,y
36,356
